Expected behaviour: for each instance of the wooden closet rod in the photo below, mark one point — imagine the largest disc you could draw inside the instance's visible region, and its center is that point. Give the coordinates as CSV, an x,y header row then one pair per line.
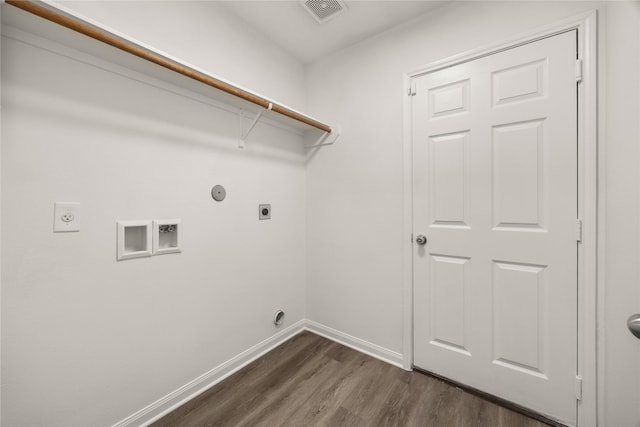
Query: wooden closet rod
x,y
112,40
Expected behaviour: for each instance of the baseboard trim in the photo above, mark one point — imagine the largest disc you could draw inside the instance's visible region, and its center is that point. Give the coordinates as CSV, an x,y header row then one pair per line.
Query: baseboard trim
x,y
357,344
189,391
178,397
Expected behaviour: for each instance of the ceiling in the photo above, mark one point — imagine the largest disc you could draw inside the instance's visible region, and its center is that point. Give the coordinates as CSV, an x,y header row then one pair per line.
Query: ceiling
x,y
290,26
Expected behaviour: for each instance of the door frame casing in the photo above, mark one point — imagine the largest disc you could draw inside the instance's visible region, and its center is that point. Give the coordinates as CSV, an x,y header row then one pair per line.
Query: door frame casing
x,y
589,198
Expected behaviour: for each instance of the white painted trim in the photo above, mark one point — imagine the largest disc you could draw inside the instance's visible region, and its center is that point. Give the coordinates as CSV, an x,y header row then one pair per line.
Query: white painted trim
x,y
591,251
407,230
357,344
562,26
600,236
588,210
194,388
176,398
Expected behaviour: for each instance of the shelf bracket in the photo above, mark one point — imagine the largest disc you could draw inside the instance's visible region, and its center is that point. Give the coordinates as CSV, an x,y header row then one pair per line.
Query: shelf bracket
x,y
327,138
245,134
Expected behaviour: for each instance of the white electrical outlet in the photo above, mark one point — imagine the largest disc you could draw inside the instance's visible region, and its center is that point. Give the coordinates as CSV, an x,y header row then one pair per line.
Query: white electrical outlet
x,y
66,216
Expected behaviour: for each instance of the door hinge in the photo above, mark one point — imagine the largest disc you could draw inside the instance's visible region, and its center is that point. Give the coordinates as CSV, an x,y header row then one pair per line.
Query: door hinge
x,y
578,387
578,70
579,230
412,88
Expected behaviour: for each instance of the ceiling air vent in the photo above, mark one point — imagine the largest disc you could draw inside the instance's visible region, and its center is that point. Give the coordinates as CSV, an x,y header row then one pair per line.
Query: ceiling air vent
x,y
324,10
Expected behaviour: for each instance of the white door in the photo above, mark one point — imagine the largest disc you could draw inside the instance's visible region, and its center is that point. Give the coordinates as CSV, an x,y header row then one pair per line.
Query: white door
x,y
495,194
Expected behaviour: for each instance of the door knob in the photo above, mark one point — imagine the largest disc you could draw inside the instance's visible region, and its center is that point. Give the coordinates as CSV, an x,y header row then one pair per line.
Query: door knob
x,y
634,325
421,239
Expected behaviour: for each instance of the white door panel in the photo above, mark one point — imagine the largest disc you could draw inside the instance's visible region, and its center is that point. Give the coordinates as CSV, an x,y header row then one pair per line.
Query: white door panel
x,y
495,192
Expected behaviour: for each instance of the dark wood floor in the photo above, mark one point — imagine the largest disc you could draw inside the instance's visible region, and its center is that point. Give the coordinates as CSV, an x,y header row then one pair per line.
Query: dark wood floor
x,y
312,381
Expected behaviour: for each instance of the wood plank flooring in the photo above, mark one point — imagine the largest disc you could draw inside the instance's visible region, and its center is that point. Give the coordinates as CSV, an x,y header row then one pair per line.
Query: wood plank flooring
x,y
312,381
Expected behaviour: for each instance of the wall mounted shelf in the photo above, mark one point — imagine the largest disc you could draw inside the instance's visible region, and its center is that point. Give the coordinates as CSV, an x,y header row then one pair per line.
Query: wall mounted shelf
x,y
164,67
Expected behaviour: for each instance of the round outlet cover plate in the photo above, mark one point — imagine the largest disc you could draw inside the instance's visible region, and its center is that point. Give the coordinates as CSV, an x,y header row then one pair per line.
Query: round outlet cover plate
x,y
218,193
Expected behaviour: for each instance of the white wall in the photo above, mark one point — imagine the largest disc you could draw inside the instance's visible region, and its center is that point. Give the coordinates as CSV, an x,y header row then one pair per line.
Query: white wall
x,y
205,34
87,340
355,203
355,216
620,111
